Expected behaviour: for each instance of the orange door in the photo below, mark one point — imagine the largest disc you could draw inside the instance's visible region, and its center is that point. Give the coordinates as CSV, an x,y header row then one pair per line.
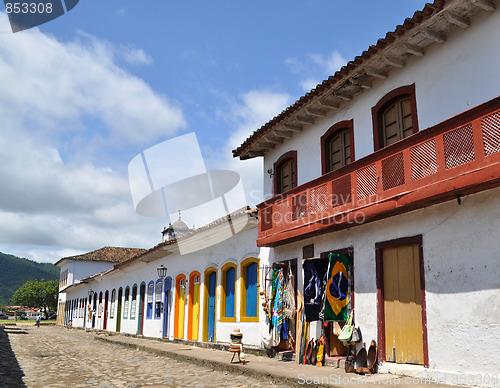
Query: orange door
x,y
402,305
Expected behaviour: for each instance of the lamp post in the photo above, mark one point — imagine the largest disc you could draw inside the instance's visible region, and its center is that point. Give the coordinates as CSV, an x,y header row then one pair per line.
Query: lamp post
x,y
162,272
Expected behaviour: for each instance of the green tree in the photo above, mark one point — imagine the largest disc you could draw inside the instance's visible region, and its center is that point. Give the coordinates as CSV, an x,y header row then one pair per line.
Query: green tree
x,y
37,294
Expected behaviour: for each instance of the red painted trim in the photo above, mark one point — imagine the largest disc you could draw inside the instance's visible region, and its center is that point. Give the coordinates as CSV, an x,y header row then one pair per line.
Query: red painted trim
x,y
389,98
334,129
379,247
276,168
420,137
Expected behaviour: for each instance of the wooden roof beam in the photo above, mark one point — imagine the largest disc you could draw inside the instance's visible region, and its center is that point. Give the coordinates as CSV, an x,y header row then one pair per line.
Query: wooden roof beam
x,y
293,127
414,50
457,19
254,154
266,145
328,104
305,119
361,82
487,5
394,62
283,134
316,112
433,35
376,73
342,96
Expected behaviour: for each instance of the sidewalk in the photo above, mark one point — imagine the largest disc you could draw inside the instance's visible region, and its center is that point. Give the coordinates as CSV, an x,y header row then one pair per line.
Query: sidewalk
x,y
273,369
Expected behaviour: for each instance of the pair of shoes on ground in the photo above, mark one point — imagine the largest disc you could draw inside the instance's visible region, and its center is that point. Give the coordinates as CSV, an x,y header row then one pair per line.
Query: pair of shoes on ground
x,y
312,351
365,363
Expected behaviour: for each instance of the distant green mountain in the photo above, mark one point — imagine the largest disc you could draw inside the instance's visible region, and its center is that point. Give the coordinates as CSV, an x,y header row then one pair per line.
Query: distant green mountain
x,y
15,271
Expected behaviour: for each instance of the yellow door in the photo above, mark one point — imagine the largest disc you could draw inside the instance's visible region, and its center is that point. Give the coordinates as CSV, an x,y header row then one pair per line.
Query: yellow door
x,y
196,311
402,305
180,323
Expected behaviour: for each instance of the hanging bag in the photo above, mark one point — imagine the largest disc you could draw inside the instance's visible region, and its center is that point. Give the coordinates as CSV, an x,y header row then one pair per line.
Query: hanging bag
x,y
356,335
346,333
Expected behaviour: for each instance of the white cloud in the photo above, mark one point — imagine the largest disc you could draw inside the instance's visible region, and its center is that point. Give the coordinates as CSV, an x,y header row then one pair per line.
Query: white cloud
x,y
53,201
315,68
53,86
248,113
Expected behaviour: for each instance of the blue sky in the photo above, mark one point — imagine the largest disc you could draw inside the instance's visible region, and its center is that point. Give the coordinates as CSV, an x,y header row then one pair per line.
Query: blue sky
x,y
82,95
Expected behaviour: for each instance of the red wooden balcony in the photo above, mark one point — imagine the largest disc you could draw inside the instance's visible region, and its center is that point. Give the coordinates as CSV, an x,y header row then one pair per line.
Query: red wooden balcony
x,y
457,157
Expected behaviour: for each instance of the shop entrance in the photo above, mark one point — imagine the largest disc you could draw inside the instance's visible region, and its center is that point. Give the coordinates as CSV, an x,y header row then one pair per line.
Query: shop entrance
x,y
119,310
402,332
209,305
140,324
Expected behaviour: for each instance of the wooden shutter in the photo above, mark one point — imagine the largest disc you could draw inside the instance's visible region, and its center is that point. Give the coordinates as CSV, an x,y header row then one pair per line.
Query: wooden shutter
x,y
397,121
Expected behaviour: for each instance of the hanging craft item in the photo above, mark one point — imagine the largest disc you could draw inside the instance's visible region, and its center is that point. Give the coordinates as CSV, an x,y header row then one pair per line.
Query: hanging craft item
x,y
299,326
290,298
346,333
337,288
320,355
315,272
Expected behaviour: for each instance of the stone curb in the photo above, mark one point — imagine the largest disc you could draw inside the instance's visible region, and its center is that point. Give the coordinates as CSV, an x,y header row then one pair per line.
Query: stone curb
x,y
217,365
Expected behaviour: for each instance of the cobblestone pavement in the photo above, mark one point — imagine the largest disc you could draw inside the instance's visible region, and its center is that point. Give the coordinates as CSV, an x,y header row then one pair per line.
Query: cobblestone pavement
x,y
53,356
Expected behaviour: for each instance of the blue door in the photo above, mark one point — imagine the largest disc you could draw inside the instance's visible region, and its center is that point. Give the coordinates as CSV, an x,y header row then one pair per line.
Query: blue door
x,y
166,298
211,307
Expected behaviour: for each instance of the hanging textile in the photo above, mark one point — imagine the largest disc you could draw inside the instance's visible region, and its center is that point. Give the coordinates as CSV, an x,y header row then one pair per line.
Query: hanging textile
x,y
278,308
315,272
337,288
299,324
290,298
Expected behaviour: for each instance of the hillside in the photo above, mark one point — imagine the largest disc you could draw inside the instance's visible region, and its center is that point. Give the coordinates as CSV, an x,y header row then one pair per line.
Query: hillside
x,y
15,271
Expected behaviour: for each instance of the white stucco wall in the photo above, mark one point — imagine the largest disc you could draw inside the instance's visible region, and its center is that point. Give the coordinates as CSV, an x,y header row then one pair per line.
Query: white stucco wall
x,y
235,250
449,79
461,252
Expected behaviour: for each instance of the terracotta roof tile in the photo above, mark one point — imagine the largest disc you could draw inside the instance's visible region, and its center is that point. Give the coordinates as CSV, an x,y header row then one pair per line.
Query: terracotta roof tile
x,y
110,254
409,24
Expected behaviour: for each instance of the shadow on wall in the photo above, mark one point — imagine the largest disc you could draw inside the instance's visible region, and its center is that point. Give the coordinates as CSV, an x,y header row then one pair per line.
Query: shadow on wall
x,y
12,374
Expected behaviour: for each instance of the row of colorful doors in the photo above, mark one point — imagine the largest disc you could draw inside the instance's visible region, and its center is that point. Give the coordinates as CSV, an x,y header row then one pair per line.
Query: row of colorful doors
x,y
209,301
141,304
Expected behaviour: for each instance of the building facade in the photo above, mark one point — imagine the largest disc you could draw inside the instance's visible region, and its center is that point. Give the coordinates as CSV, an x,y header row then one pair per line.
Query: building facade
x,y
204,296
394,161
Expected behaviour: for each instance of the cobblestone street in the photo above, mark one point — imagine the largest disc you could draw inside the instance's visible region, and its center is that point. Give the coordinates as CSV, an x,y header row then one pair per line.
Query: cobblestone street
x,y
54,356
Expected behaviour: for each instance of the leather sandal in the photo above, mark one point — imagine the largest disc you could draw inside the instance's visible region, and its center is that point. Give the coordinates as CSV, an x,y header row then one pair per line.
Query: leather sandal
x,y
309,351
371,360
314,353
360,365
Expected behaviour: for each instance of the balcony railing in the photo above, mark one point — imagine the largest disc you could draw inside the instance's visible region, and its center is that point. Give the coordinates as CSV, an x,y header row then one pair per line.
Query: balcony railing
x,y
454,158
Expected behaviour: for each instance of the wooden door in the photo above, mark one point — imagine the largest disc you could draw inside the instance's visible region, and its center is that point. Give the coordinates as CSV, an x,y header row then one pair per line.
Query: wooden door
x,y
119,310
105,324
140,323
402,305
168,286
211,306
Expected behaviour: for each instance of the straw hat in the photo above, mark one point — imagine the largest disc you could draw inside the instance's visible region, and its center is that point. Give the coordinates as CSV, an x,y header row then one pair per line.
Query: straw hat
x,y
236,332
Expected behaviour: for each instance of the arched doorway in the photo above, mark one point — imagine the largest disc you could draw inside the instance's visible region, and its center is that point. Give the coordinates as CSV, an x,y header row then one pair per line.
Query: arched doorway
x,y
209,304
95,309
99,309
166,306
180,290
194,306
140,323
119,310
106,297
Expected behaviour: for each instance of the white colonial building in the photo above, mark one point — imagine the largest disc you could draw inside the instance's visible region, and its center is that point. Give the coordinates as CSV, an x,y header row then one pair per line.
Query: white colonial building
x,y
394,161
205,294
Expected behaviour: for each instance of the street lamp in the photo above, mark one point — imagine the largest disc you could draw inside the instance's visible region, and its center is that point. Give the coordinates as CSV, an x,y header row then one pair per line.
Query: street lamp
x,y
162,272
